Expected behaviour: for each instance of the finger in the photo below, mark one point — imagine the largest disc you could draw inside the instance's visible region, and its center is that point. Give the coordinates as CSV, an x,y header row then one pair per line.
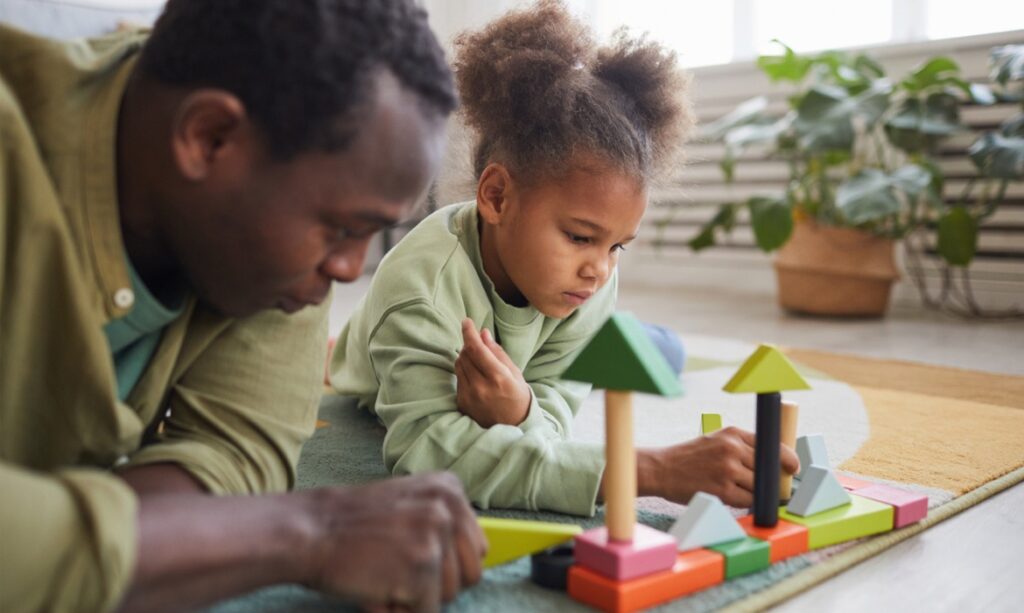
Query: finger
x,y
741,498
474,376
451,576
498,351
744,479
471,547
745,436
481,356
790,461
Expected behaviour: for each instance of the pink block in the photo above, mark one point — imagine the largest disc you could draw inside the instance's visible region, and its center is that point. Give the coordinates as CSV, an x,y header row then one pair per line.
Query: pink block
x,y
650,551
852,484
908,506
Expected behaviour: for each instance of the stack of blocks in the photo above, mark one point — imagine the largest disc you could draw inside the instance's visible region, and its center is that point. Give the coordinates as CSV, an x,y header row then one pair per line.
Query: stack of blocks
x,y
626,567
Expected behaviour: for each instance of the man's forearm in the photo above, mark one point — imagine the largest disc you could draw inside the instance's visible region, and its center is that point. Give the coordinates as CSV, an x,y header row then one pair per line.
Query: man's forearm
x,y
195,549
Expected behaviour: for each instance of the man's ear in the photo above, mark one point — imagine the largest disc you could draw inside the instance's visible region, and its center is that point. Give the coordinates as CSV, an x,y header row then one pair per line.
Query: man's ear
x,y
494,191
208,124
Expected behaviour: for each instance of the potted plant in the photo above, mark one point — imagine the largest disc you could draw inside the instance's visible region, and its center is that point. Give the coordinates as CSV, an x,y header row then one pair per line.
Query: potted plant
x,y
860,151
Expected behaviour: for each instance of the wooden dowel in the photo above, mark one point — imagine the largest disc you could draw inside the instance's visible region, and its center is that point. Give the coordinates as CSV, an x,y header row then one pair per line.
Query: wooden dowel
x,y
620,468
787,434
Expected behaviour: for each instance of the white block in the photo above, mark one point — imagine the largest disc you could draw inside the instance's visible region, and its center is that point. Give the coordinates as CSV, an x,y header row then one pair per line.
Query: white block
x,y
706,522
811,451
819,491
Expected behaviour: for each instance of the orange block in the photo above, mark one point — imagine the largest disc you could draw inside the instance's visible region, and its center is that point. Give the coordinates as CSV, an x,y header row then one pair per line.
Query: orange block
x,y
693,571
786,538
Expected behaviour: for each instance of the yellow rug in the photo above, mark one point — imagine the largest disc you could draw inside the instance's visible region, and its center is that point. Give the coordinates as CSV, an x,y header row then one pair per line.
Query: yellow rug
x,y
937,427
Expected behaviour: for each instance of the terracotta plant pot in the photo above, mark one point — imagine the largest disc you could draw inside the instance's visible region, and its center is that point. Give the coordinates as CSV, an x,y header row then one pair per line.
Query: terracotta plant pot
x,y
844,272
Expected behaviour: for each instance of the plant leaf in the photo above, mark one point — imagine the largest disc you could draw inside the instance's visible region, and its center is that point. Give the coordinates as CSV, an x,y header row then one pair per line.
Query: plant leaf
x,y
998,156
958,236
786,67
772,221
867,196
747,112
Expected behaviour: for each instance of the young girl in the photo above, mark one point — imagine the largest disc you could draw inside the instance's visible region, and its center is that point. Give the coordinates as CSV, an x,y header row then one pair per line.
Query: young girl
x,y
569,138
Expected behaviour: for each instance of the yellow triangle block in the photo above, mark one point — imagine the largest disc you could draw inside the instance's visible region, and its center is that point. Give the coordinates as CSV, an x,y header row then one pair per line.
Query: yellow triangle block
x,y
509,539
766,370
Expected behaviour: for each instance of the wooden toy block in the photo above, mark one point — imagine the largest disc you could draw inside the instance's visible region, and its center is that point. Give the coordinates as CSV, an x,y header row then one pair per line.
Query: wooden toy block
x,y
766,370
621,356
767,465
509,539
812,451
710,422
908,507
650,551
705,522
787,436
862,517
744,557
786,539
693,571
620,466
819,491
852,484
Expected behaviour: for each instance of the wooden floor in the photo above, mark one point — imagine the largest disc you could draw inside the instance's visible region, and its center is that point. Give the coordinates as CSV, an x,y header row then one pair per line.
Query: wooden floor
x,y
971,562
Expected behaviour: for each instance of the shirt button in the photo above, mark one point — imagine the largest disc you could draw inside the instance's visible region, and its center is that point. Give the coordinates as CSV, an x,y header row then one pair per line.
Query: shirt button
x,y
124,298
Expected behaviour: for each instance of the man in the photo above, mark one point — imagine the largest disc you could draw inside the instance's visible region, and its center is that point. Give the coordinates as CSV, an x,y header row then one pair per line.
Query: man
x,y
170,210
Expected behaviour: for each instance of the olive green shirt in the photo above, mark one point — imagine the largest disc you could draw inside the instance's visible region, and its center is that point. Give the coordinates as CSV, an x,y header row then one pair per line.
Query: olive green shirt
x,y
242,393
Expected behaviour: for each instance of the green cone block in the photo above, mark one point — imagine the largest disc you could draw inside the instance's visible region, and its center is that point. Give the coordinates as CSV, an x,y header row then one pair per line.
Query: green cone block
x,y
766,370
622,357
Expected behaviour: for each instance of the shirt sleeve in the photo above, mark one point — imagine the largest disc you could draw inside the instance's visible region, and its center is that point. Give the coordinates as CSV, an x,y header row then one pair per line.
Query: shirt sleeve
x,y
247,402
67,540
533,466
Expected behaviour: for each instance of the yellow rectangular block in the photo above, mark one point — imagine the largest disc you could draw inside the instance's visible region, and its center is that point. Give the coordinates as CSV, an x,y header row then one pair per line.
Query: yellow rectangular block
x,y
710,422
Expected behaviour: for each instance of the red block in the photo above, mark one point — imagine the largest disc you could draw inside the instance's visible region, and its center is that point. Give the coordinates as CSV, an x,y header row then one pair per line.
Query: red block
x,y
786,538
852,484
908,507
650,551
693,571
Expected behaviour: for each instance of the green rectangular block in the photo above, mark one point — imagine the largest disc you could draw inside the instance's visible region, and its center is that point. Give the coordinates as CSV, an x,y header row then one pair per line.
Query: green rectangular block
x,y
862,517
744,556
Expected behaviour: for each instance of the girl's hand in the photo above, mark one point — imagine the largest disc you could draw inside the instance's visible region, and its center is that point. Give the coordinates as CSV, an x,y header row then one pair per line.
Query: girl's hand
x,y
721,464
490,387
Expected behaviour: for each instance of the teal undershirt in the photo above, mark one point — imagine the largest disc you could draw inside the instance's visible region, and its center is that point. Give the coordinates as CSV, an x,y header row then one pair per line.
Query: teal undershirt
x,y
134,337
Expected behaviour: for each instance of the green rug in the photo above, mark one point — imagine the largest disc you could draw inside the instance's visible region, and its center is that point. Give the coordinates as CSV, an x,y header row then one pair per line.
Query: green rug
x,y
880,420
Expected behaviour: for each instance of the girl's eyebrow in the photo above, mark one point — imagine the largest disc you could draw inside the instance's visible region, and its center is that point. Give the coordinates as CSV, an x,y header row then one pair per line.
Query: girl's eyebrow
x,y
597,227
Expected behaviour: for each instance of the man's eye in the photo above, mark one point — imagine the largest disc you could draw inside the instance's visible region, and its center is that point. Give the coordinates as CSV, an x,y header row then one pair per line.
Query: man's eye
x,y
577,239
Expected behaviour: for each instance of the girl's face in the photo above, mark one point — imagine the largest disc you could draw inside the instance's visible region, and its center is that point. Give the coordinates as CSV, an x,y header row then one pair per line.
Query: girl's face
x,y
554,245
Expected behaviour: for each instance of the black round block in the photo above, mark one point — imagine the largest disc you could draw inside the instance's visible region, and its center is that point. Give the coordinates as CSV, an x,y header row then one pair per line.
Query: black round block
x,y
550,568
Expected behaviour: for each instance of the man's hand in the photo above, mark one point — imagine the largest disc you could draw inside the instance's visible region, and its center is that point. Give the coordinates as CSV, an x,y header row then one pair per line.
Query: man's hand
x,y
405,543
490,387
721,464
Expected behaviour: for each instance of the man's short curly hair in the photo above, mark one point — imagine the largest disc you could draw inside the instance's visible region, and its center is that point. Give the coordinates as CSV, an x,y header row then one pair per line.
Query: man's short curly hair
x,y
303,68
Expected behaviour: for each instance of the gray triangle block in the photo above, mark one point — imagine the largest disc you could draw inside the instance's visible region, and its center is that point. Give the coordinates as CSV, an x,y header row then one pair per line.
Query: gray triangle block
x,y
812,451
706,522
819,491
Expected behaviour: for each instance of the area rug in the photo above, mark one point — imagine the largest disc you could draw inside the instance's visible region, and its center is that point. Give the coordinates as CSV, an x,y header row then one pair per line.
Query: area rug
x,y
955,435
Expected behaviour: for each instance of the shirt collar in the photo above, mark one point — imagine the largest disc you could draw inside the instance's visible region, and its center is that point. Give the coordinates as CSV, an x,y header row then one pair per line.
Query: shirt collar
x,y
105,245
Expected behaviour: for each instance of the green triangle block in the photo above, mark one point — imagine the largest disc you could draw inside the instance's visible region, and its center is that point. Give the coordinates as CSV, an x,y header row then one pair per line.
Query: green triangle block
x,y
509,539
766,371
622,357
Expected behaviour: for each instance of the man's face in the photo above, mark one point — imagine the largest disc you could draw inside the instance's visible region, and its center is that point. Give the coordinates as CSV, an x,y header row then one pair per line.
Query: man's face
x,y
274,234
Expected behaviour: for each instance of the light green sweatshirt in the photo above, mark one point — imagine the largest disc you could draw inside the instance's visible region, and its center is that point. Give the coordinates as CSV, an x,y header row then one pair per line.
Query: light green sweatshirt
x,y
397,355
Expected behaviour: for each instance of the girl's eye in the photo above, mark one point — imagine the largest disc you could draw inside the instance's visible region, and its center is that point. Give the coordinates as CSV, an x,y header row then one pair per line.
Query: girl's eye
x,y
619,247
577,239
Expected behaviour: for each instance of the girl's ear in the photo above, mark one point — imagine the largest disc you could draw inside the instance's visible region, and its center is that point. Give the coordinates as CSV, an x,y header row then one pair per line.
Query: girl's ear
x,y
493,192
